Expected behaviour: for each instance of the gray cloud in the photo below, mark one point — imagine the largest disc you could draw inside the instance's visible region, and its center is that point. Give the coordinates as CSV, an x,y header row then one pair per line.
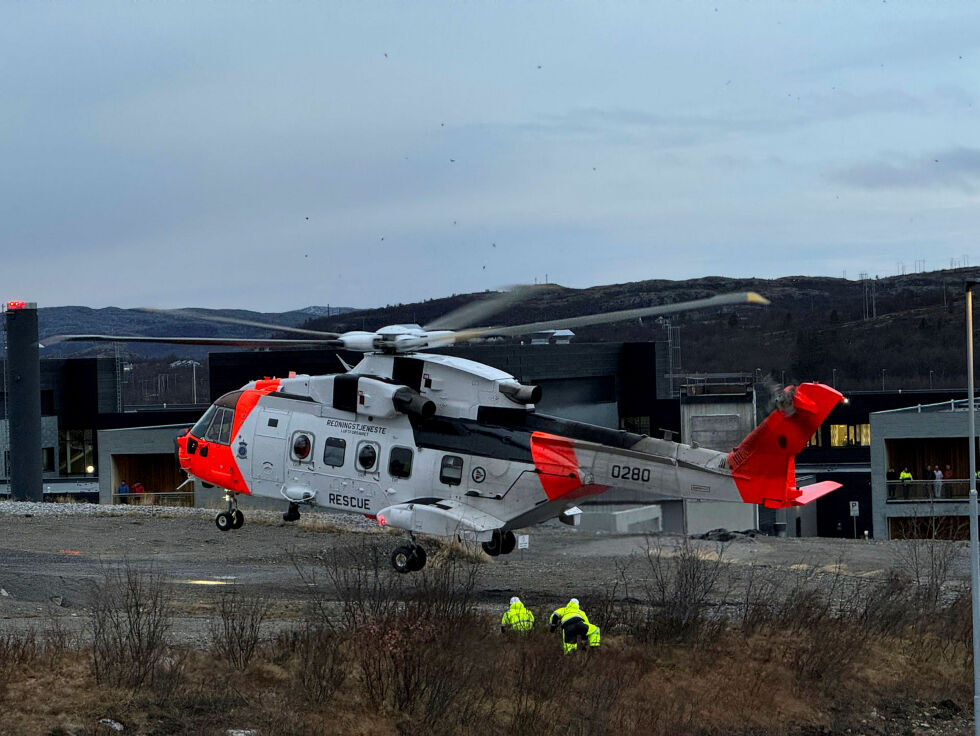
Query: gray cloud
x,y
954,168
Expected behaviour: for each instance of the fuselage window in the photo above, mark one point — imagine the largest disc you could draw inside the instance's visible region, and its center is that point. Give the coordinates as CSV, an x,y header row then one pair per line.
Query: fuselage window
x,y
451,472
400,462
302,446
334,450
367,455
220,429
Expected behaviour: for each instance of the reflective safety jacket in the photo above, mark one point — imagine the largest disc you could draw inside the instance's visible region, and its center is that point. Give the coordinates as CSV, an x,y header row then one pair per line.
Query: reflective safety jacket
x,y
905,475
518,618
565,614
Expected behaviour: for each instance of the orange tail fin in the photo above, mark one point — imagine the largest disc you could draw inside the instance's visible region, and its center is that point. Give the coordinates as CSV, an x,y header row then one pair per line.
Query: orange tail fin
x,y
763,465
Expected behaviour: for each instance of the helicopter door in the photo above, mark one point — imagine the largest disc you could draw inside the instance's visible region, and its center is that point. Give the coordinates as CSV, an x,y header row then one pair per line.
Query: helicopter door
x,y
269,451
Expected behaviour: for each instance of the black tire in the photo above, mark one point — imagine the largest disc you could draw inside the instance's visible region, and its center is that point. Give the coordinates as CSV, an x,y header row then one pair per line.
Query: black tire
x,y
401,559
508,543
237,519
418,559
223,521
492,547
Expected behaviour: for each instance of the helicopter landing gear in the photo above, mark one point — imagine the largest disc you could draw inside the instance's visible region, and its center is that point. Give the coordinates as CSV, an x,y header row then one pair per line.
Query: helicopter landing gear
x,y
232,518
408,558
502,543
292,513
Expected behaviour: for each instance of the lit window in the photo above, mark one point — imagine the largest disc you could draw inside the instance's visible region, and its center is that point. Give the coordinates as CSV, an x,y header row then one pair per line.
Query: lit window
x,y
864,435
838,435
814,441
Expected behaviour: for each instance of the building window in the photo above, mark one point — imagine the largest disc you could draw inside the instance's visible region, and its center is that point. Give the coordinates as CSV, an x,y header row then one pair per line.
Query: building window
x,y
838,435
451,472
76,451
850,435
334,450
863,434
47,402
400,462
639,425
47,459
814,441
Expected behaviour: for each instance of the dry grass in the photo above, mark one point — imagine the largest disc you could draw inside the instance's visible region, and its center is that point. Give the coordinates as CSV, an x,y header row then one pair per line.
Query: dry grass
x,y
381,653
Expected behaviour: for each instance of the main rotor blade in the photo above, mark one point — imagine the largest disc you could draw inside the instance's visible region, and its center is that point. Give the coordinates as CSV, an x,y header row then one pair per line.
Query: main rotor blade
x,y
191,314
241,342
744,297
482,309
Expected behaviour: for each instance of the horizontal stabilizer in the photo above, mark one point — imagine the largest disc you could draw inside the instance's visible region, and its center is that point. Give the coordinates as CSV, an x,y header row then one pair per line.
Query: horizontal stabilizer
x,y
813,492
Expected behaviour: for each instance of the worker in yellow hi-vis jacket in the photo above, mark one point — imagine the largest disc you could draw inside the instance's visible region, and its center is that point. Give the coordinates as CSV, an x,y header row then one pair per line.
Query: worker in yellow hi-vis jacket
x,y
517,617
575,627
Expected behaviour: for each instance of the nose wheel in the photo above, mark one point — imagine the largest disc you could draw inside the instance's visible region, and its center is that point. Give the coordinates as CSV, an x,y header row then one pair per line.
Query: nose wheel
x,y
233,518
408,558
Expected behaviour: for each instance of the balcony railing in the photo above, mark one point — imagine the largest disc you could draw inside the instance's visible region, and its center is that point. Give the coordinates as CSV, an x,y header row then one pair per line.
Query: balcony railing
x,y
954,489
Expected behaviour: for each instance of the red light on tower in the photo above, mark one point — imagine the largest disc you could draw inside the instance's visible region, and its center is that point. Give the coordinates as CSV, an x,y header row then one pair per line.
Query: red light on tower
x,y
16,305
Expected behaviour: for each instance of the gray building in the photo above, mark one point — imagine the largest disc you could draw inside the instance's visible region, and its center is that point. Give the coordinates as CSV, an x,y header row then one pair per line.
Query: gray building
x,y
914,441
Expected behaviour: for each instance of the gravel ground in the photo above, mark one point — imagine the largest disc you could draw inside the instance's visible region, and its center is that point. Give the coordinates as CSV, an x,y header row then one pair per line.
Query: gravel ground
x,y
51,554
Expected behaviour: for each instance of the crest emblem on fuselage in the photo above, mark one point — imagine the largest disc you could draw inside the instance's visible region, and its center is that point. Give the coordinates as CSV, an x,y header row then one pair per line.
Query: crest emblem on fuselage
x,y
242,449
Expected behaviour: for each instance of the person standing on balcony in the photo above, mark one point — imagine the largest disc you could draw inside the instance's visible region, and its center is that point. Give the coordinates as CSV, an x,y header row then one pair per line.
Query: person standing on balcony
x,y
906,477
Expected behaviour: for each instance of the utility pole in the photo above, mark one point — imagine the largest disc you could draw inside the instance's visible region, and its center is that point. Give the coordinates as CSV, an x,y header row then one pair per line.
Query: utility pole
x,y
974,549
23,381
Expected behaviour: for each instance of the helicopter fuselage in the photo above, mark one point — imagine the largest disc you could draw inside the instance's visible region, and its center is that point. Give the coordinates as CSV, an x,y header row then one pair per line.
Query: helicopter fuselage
x,y
435,444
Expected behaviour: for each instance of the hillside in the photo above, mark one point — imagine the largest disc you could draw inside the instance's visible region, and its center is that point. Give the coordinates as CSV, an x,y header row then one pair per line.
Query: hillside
x,y
911,326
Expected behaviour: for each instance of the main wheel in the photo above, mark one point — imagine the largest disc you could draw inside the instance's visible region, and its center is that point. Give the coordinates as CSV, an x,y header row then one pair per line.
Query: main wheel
x,y
292,513
237,519
223,521
492,547
508,543
402,558
418,559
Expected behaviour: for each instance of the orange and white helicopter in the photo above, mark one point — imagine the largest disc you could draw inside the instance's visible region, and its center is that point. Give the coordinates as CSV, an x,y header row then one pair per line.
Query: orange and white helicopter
x,y
434,444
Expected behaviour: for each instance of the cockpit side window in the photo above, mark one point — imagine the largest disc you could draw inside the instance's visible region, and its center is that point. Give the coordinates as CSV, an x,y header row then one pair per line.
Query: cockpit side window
x,y
220,428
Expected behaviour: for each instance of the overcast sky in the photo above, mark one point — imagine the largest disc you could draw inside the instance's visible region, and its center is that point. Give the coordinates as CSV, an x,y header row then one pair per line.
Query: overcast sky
x,y
270,156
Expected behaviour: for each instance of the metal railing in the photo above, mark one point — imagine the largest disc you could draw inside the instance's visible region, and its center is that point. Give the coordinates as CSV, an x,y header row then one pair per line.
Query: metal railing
x,y
166,498
954,489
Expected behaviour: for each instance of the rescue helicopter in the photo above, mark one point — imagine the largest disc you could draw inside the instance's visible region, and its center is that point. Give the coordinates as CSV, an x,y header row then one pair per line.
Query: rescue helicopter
x,y
434,444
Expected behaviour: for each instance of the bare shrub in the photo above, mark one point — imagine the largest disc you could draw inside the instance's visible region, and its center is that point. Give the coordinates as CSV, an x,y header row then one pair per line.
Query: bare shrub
x,y
236,627
131,614
537,671
444,593
612,607
319,660
361,582
925,556
680,592
826,651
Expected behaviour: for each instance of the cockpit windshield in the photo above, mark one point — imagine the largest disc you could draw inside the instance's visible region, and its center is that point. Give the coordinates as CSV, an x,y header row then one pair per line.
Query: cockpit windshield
x,y
201,427
215,425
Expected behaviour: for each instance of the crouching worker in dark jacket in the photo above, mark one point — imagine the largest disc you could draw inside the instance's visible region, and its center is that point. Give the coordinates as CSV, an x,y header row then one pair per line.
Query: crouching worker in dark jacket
x,y
575,627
